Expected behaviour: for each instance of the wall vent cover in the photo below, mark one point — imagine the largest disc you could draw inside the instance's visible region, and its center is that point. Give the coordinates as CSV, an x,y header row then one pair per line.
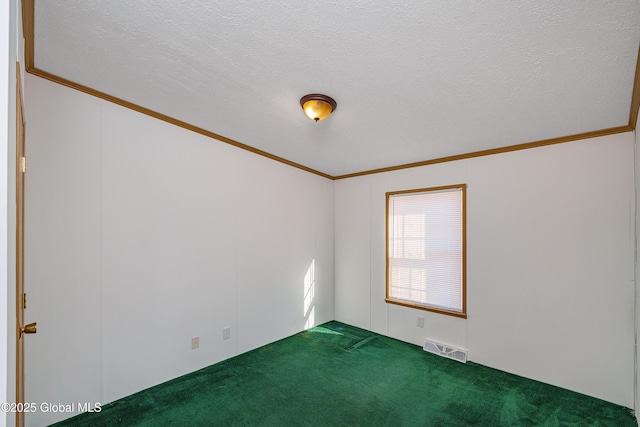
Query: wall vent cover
x,y
446,351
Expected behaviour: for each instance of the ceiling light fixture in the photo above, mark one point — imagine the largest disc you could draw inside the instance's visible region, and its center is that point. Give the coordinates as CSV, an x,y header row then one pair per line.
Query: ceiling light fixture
x,y
318,107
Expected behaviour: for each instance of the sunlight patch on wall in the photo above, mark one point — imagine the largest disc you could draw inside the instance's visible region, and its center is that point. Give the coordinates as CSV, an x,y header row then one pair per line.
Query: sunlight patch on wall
x,y
309,297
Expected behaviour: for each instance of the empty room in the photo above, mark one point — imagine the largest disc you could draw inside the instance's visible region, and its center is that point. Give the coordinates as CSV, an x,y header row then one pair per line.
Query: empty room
x,y
288,213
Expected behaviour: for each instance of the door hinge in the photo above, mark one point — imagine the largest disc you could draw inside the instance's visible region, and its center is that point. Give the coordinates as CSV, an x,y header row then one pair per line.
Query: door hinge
x,y
23,164
24,300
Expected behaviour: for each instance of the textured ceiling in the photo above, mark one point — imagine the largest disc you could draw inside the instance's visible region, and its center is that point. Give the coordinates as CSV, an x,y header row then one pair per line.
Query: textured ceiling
x,y
414,80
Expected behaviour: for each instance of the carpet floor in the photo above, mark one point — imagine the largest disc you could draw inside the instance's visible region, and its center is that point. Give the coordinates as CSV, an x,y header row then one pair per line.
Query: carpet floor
x,y
340,375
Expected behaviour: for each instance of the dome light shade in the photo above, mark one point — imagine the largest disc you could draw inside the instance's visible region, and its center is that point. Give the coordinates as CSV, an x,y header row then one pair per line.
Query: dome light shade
x,y
317,106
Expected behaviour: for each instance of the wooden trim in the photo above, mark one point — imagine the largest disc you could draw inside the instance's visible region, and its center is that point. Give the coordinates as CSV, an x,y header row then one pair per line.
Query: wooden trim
x,y
386,246
635,96
427,190
171,120
422,307
28,32
518,147
388,298
20,147
28,12
464,250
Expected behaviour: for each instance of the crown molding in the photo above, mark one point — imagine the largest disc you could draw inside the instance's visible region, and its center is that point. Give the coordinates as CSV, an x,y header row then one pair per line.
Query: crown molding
x,y
28,10
635,96
493,151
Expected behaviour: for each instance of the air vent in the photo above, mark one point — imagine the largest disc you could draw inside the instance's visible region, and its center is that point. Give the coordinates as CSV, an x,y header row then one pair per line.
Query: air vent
x,y
446,351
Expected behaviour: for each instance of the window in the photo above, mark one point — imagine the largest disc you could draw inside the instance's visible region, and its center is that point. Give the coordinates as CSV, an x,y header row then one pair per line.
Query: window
x,y
426,249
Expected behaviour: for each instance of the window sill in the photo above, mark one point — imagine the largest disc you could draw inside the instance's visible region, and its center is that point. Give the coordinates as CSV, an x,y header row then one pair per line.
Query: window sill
x,y
426,308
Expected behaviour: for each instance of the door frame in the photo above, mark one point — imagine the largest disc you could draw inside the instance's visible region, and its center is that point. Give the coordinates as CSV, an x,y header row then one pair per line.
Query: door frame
x,y
20,295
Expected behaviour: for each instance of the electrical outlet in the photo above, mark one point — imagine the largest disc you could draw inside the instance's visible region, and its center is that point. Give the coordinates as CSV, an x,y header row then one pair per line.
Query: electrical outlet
x,y
420,322
226,333
195,343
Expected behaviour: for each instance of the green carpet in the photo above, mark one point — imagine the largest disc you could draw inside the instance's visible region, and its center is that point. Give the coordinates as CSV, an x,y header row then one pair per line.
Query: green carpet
x,y
339,375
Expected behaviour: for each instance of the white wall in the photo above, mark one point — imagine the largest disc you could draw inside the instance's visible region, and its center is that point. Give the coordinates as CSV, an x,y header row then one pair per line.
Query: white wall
x,y
637,271
5,121
550,263
141,235
9,51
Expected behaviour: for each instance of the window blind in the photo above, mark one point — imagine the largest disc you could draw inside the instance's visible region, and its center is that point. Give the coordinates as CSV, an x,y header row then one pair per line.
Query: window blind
x,y
425,248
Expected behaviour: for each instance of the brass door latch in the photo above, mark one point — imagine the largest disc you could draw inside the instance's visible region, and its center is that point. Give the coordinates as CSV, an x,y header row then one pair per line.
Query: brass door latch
x,y
31,328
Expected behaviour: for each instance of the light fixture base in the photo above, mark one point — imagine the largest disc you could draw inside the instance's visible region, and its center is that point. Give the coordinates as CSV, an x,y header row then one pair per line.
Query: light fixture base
x,y
317,106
